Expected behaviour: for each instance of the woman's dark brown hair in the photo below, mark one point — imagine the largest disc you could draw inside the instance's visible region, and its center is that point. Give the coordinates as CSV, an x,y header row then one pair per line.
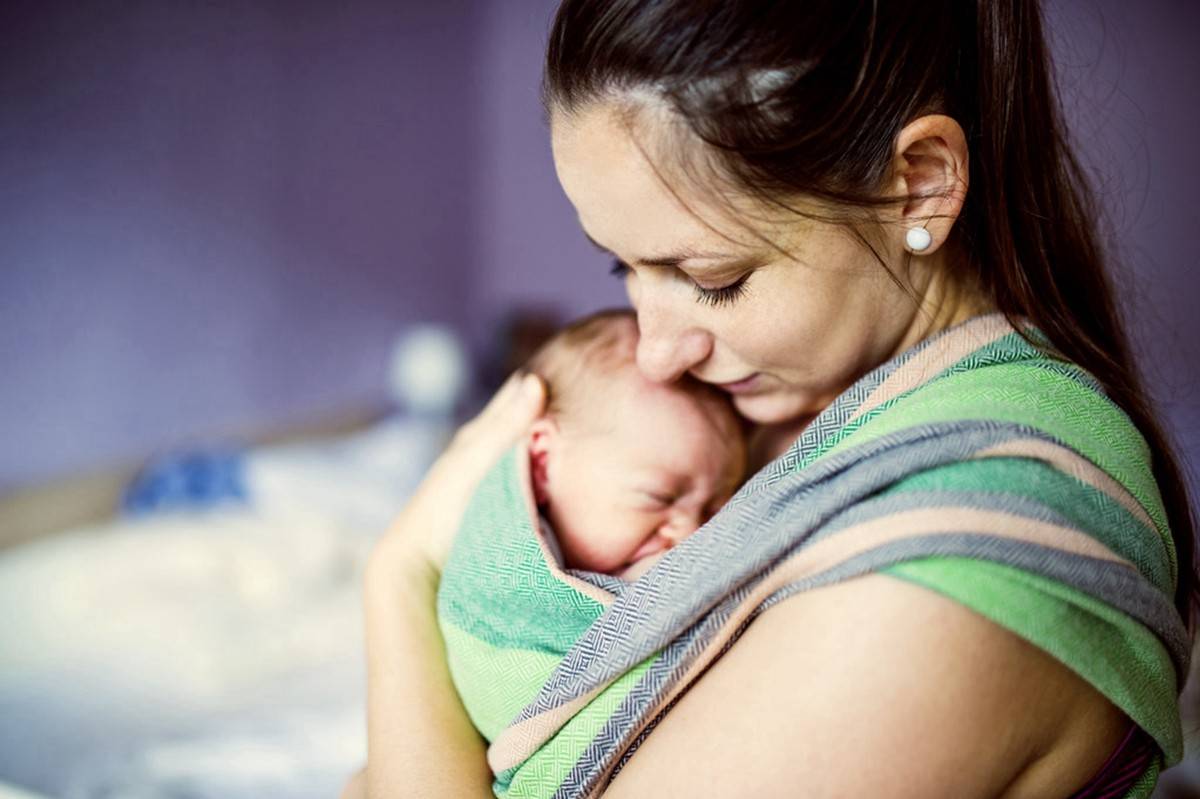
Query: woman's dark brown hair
x,y
806,99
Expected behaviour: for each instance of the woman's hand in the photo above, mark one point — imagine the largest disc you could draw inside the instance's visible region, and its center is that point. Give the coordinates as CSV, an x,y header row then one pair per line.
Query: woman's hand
x,y
419,539
419,739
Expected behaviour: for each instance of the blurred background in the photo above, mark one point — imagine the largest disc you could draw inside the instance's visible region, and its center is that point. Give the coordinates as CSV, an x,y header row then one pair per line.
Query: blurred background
x,y
256,258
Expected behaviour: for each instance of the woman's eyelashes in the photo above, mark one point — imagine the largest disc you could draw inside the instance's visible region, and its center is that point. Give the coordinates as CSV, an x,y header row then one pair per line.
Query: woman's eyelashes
x,y
724,295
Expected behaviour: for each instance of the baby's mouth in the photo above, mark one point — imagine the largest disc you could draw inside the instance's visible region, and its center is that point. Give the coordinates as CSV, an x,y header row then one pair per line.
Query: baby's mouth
x,y
640,566
650,546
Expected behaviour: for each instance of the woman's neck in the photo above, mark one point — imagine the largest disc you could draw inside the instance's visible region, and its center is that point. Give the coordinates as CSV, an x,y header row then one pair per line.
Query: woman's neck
x,y
951,295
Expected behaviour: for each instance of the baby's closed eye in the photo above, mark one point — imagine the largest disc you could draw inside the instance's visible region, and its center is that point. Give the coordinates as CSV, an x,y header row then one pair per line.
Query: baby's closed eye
x,y
659,499
714,506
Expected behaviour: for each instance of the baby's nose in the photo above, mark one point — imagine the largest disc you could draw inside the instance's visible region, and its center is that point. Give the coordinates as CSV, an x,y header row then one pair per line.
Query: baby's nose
x,y
681,525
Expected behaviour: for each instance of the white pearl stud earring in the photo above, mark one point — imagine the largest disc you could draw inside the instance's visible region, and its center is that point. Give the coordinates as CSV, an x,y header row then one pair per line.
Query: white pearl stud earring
x,y
918,239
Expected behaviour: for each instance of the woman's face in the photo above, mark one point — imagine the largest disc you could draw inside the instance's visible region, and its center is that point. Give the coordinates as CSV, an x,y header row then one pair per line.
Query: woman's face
x,y
782,333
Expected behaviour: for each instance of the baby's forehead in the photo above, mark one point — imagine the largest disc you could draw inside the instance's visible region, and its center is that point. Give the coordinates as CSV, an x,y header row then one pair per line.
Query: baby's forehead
x,y
624,396
618,386
603,390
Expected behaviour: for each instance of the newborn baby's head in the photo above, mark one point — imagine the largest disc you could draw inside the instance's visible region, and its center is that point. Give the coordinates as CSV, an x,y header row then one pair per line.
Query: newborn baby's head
x,y
624,468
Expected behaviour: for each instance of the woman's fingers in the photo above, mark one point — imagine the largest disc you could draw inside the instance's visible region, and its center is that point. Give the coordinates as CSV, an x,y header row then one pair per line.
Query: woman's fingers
x,y
507,416
428,523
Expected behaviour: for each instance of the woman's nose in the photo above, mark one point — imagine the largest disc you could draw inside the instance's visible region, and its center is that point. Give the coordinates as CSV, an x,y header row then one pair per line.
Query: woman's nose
x,y
668,346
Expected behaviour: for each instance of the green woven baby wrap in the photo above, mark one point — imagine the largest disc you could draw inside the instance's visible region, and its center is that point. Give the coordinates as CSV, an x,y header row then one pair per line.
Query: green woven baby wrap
x,y
972,465
508,613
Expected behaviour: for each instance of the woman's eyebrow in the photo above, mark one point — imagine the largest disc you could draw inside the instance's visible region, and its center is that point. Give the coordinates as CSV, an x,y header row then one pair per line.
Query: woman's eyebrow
x,y
665,260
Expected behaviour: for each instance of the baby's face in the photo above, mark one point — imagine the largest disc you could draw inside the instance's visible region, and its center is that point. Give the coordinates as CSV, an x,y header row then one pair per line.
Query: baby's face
x,y
652,465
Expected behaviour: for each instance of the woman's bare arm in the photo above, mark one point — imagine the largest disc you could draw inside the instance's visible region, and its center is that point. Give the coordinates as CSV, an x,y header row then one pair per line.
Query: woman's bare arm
x,y
877,687
419,740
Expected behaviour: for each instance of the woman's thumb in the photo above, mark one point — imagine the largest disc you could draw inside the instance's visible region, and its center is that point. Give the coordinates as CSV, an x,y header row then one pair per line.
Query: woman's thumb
x,y
533,391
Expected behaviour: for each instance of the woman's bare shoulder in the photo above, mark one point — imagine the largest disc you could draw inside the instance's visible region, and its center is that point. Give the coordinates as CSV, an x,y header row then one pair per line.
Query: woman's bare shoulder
x,y
877,687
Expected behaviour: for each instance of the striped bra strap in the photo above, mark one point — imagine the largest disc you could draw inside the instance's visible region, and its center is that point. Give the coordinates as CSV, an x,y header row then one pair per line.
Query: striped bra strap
x,y
1122,769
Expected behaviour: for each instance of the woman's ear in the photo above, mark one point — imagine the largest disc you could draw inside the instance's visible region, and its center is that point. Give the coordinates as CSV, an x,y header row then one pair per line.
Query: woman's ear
x,y
930,164
544,438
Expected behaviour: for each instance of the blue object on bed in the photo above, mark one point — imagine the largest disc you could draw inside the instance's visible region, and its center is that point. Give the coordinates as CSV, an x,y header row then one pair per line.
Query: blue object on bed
x,y
187,481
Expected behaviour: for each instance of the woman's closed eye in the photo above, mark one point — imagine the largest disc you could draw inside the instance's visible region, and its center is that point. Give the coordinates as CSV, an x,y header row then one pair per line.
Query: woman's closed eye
x,y
721,295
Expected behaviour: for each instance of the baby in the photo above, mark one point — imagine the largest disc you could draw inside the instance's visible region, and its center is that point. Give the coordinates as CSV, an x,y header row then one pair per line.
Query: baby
x,y
623,469
616,472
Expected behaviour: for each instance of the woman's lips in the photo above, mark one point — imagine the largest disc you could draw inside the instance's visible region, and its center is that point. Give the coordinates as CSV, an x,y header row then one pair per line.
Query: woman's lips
x,y
747,385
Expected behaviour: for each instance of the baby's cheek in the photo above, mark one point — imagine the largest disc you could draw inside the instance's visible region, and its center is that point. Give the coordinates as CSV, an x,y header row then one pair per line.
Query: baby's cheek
x,y
588,556
601,550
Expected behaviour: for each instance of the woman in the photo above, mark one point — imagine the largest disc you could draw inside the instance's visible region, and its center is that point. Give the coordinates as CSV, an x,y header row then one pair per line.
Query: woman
x,y
799,195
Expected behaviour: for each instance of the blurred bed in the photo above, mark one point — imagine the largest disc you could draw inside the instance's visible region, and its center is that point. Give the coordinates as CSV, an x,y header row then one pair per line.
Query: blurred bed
x,y
206,654
207,641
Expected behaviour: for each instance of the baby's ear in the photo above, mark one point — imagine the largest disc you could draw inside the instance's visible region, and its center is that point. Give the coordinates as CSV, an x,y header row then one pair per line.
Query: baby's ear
x,y
543,441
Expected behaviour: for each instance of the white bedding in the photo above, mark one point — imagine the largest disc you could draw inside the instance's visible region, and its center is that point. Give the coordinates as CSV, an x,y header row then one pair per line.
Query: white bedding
x,y
205,655
219,653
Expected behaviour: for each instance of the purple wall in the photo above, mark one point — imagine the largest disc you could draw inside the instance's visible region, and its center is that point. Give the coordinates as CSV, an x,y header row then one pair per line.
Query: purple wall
x,y
214,217
530,249
1129,81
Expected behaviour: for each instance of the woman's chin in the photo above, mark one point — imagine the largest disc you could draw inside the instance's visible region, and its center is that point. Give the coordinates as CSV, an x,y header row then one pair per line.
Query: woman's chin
x,y
774,407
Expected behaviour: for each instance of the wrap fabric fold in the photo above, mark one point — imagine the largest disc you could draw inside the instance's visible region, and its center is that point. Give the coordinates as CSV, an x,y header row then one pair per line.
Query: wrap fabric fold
x,y
972,464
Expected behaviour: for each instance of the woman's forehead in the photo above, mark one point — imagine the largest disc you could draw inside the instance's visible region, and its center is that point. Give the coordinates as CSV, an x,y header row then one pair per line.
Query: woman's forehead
x,y
627,199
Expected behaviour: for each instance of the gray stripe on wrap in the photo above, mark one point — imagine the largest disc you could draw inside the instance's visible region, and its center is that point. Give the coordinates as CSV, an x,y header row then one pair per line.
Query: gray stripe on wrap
x,y
1148,554
695,587
1112,583
744,539
921,499
1118,586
